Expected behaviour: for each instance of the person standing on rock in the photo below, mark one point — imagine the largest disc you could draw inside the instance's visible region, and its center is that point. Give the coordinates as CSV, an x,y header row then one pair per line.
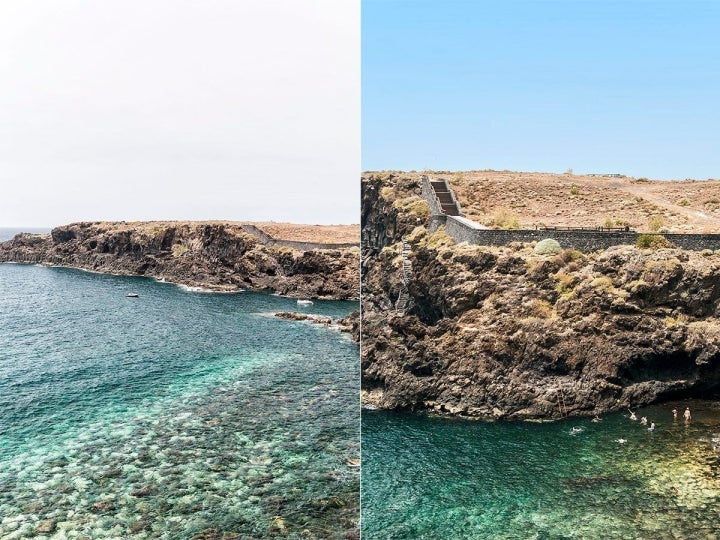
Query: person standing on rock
x,y
687,415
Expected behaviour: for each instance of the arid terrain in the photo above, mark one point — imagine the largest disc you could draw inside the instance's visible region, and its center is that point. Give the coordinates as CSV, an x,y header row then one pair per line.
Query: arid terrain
x,y
296,232
333,234
530,199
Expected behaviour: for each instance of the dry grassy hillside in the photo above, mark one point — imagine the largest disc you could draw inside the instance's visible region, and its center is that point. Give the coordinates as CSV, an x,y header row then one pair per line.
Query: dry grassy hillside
x,y
527,200
339,234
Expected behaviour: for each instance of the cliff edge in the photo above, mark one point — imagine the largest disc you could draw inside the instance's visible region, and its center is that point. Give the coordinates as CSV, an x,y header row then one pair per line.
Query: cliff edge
x,y
508,332
210,255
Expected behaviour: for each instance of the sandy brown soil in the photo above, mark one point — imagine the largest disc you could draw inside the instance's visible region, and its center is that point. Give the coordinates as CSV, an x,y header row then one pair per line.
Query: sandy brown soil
x,y
279,231
536,199
311,233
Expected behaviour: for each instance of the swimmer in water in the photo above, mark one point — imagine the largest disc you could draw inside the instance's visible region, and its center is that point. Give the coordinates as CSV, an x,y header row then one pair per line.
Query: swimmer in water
x,y
674,411
686,415
652,426
596,418
632,416
643,420
621,441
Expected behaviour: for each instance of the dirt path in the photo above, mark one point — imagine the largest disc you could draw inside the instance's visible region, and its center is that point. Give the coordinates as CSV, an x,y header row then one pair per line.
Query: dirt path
x,y
697,218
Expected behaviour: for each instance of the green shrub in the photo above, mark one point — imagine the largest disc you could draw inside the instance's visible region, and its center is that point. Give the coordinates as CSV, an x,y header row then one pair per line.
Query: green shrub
x,y
652,241
549,246
574,189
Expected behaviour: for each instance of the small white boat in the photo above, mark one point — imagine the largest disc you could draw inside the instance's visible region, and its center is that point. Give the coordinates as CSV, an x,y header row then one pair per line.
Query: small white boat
x,y
132,295
305,302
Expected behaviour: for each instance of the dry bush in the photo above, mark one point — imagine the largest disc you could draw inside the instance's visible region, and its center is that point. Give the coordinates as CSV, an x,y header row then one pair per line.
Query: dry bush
x,y
602,283
565,283
439,239
655,223
413,205
505,219
541,308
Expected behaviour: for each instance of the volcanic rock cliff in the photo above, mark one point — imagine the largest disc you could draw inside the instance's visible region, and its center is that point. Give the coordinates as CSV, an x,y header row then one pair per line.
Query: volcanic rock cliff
x,y
215,256
505,332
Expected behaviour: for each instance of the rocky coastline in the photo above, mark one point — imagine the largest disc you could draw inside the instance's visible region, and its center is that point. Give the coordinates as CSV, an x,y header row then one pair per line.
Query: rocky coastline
x,y
224,257
349,324
509,333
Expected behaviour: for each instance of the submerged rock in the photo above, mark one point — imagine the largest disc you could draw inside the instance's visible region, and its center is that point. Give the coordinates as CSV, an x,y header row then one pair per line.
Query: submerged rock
x,y
143,491
45,526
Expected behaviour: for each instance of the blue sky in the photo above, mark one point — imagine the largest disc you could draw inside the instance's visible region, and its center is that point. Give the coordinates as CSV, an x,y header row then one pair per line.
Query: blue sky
x,y
597,87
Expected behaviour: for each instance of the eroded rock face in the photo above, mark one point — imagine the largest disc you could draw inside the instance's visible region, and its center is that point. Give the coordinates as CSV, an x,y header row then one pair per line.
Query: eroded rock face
x,y
509,333
218,256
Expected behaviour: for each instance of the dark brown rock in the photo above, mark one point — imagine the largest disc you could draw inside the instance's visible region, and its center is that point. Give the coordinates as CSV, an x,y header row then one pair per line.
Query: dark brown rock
x,y
45,526
214,256
143,491
502,332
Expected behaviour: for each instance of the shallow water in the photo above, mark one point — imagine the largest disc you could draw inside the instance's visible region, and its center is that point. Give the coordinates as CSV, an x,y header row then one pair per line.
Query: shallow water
x,y
438,478
170,414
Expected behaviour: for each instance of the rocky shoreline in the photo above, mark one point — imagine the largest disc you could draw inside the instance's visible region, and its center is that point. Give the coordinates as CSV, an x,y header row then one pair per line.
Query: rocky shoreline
x,y
209,256
510,333
349,324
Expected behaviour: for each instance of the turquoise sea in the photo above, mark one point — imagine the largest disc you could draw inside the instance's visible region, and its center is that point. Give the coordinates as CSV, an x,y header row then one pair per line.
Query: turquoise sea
x,y
176,414
430,478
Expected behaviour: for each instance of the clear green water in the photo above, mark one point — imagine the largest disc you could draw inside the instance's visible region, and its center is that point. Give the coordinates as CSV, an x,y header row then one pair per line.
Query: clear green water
x,y
438,478
170,414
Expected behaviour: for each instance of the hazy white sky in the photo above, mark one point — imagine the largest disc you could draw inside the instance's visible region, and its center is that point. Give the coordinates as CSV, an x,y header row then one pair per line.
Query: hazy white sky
x,y
179,109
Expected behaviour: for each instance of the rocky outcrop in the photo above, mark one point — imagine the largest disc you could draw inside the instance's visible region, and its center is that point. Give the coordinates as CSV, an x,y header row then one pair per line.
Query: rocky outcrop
x,y
215,256
344,324
504,332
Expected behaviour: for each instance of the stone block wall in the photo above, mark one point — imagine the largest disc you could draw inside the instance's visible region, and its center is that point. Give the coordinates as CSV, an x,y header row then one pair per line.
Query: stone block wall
x,y
461,230
581,240
428,194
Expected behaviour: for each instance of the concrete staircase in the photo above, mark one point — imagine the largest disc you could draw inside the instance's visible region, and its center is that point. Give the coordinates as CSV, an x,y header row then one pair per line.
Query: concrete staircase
x,y
404,300
446,198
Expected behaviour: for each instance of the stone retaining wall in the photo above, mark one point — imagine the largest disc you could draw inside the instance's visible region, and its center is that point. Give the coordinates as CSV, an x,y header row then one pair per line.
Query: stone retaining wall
x,y
580,240
463,230
428,194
